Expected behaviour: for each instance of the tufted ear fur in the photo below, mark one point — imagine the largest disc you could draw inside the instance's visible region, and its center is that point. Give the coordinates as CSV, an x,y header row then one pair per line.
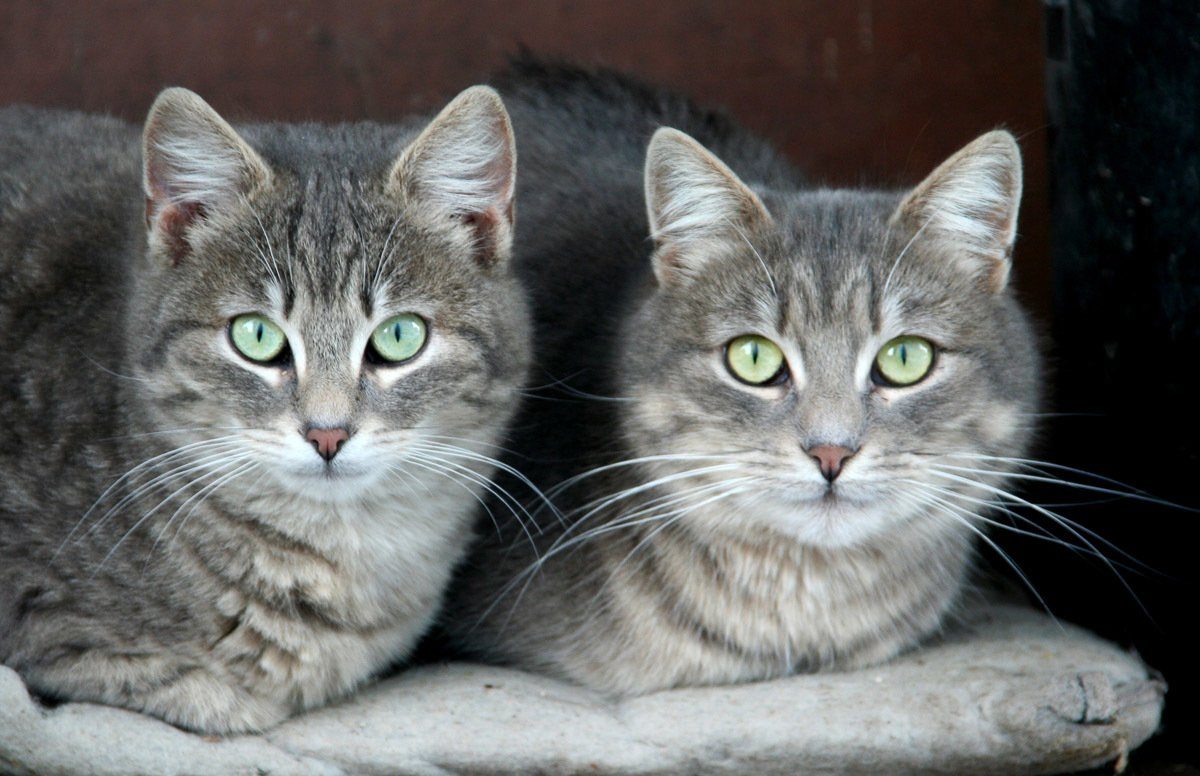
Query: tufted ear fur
x,y
692,197
970,202
193,165
463,166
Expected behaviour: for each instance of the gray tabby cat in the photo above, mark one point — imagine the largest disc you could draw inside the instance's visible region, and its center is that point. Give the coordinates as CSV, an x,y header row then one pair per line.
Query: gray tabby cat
x,y
248,378
781,421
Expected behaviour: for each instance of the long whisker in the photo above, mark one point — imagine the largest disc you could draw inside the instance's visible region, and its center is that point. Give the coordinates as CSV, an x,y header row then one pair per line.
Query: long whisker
x,y
458,475
211,456
136,471
1072,527
1131,493
202,495
648,513
159,505
434,456
560,546
945,495
572,481
920,502
1047,513
462,452
597,506
666,521
183,523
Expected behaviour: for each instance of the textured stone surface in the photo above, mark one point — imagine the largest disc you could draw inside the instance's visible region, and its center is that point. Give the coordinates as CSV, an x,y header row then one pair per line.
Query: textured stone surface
x,y
1012,692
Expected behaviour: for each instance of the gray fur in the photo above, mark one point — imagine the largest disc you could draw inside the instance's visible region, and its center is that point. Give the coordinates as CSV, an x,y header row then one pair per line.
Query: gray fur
x,y
262,581
742,567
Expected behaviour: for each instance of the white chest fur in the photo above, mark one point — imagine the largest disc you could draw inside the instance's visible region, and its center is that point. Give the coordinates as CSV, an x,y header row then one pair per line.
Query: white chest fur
x,y
342,591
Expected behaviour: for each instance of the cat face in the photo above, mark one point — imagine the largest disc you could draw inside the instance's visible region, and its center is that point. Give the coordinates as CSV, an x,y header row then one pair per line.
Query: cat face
x,y
829,365
327,301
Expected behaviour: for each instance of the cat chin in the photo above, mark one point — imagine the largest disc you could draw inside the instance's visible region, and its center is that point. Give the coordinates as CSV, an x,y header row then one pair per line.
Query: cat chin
x,y
330,484
828,522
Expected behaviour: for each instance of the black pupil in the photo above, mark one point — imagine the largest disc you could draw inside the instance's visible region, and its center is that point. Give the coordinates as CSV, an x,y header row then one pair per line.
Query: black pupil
x,y
259,330
396,331
754,352
904,355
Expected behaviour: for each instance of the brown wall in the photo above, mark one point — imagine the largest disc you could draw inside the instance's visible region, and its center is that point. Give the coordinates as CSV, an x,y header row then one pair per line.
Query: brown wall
x,y
857,91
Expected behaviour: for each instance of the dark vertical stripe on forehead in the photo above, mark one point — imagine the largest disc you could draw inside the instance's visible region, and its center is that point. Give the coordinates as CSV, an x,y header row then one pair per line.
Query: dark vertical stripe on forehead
x,y
783,309
349,272
293,228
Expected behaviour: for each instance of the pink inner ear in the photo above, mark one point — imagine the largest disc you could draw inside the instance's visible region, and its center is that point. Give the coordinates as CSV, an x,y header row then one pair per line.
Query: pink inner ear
x,y
173,223
485,226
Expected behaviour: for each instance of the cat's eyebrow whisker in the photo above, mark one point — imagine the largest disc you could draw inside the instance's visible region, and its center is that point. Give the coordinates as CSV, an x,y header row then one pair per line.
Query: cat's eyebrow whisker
x,y
757,255
564,385
384,256
106,370
888,282
270,249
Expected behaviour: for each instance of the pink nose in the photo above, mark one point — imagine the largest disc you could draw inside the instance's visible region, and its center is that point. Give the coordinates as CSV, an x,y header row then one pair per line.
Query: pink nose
x,y
327,441
830,458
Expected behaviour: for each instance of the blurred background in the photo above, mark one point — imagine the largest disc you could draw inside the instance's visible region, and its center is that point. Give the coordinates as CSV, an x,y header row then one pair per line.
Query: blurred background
x,y
1101,93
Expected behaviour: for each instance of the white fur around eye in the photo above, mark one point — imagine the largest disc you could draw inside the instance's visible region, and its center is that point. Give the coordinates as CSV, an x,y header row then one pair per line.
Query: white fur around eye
x,y
272,376
387,375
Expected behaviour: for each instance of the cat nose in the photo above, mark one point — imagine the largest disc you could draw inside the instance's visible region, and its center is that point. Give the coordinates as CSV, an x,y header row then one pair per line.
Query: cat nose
x,y
327,441
830,458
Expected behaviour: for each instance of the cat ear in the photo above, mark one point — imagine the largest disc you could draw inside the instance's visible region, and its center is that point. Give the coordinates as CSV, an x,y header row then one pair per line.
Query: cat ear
x,y
463,166
970,202
692,196
193,165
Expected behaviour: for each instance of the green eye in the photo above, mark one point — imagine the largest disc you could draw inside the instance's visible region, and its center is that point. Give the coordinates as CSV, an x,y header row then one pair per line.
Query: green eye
x,y
904,361
399,338
256,338
754,359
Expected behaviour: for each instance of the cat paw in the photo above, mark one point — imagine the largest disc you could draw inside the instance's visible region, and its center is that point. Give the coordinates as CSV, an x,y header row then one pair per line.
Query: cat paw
x,y
203,703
